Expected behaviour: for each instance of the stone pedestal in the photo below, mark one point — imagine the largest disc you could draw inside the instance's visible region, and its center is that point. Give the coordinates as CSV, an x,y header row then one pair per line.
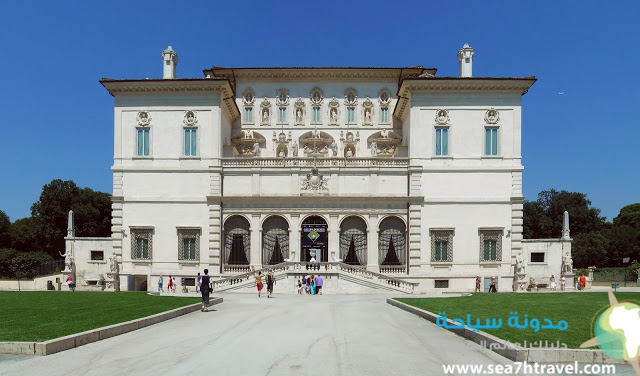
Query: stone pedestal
x,y
113,281
521,282
571,281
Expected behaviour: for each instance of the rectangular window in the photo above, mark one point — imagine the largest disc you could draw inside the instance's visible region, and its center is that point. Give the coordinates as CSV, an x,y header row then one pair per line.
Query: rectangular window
x,y
190,142
351,115
141,243
248,114
384,115
440,251
442,141
316,114
490,250
441,283
97,255
282,115
537,256
491,141
143,143
189,244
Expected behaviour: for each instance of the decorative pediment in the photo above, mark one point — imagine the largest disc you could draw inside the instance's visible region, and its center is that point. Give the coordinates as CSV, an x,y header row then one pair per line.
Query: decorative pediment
x,y
247,143
351,97
314,181
281,144
384,97
384,143
248,97
317,96
282,97
316,144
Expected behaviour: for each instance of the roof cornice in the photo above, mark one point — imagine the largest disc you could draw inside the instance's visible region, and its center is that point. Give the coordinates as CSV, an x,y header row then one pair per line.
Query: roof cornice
x,y
518,86
327,73
175,86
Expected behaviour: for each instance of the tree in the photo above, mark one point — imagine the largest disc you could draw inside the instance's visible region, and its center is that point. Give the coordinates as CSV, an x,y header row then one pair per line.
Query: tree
x,y
5,234
589,250
24,237
92,213
629,215
543,218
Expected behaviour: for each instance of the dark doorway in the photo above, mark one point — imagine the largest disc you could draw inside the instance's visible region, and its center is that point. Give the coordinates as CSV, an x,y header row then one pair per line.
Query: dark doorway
x,y
314,237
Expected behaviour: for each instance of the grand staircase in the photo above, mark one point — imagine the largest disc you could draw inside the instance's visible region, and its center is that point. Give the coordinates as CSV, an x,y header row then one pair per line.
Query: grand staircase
x,y
356,275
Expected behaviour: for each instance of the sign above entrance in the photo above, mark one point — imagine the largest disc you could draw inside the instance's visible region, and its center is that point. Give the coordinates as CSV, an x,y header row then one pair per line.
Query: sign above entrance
x,y
314,235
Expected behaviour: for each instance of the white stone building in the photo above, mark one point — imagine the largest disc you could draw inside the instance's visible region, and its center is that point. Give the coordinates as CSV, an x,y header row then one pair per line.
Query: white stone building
x,y
388,176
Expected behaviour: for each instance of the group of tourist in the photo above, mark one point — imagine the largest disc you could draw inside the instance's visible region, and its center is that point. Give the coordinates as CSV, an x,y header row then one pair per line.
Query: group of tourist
x,y
581,283
310,285
171,284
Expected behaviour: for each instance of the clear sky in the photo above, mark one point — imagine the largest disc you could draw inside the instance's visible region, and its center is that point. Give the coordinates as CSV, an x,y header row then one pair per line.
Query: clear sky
x,y
56,120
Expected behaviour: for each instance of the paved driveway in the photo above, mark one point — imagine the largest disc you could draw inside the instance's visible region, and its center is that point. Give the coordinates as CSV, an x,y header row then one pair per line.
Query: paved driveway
x,y
285,335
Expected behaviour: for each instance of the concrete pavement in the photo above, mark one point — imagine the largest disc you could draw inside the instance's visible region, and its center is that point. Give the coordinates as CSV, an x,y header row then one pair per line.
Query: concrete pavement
x,y
284,335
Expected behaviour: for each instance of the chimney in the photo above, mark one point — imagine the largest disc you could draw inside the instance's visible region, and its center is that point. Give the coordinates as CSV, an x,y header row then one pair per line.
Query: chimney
x,y
170,61
465,58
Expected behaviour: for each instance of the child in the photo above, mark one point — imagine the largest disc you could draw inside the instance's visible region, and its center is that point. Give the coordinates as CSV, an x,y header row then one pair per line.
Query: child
x,y
299,287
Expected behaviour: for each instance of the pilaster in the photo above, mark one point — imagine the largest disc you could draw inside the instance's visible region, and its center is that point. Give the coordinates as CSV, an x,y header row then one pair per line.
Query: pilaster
x,y
294,239
334,237
415,235
215,244
373,256
255,255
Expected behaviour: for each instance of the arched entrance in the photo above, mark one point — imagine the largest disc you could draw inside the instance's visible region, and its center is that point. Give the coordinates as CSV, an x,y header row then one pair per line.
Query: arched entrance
x,y
275,240
392,241
314,238
237,241
353,241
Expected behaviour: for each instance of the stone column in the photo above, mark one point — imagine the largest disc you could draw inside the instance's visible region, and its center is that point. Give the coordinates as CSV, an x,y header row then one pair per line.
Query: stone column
x,y
255,255
333,238
294,237
373,257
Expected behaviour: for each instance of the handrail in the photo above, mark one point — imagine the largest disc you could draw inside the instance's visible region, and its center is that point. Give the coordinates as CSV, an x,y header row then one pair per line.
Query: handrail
x,y
305,161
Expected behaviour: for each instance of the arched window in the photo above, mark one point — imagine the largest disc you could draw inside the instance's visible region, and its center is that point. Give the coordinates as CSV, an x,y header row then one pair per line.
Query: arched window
x,y
353,241
237,241
392,242
275,240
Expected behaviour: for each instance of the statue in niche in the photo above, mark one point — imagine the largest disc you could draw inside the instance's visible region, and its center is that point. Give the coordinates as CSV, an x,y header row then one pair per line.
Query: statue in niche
x,y
281,154
299,115
384,133
367,116
334,115
374,147
265,116
295,148
349,153
256,149
334,148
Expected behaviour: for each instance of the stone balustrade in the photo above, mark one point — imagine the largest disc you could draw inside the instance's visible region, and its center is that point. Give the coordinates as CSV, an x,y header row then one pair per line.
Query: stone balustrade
x,y
399,269
320,162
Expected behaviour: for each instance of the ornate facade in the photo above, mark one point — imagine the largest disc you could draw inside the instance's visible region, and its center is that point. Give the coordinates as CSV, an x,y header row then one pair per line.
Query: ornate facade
x,y
392,171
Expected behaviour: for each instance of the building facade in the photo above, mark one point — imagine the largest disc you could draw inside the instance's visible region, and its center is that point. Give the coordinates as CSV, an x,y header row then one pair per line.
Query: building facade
x,y
394,171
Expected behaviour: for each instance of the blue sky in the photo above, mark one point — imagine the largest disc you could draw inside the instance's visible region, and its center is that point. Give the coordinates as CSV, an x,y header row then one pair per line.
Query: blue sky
x,y
57,120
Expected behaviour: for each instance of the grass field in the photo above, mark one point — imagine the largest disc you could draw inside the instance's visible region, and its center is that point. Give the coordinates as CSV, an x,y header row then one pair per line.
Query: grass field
x,y
578,309
43,315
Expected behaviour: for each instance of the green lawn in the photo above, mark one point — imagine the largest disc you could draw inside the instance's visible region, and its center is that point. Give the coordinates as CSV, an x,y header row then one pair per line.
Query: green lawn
x,y
578,309
43,315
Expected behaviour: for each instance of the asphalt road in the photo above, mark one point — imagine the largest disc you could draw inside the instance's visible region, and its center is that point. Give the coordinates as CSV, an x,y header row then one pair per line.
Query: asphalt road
x,y
284,335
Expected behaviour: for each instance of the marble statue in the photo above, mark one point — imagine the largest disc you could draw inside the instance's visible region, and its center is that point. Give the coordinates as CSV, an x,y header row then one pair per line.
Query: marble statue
x,y
519,263
114,262
334,115
248,133
265,116
367,116
349,153
295,148
256,149
384,133
567,264
374,147
299,115
68,260
334,148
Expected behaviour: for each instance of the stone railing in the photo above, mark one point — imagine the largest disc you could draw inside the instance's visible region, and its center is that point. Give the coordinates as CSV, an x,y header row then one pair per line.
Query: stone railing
x,y
396,269
235,268
320,162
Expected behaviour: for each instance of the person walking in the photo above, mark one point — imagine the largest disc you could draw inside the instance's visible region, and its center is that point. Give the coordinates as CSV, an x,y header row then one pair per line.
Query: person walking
x,y
205,290
259,283
160,285
319,282
271,280
299,287
169,284
492,286
583,281
198,282
173,285
312,285
478,282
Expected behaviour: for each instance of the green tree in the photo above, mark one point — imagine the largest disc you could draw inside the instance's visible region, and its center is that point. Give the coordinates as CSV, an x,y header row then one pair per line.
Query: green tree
x,y
5,234
24,237
589,249
543,218
92,214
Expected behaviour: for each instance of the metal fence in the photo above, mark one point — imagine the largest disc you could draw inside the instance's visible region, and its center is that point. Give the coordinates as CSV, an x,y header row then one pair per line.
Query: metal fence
x,y
614,275
49,267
